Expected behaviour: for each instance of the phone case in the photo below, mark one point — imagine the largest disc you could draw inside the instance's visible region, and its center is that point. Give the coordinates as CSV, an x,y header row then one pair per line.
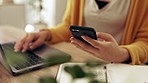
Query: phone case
x,y
78,31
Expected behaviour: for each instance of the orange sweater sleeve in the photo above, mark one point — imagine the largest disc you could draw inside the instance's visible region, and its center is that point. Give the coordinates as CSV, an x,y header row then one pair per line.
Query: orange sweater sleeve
x,y
61,32
139,48
136,35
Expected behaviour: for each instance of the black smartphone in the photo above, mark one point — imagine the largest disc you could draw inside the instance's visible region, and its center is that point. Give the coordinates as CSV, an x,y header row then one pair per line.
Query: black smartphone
x,y
78,31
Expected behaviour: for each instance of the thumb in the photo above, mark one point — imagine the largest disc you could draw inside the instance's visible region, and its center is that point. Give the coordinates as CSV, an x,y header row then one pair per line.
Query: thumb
x,y
105,36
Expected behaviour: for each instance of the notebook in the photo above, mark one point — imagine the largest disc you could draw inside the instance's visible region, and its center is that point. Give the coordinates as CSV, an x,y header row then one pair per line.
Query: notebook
x,y
125,73
18,63
114,73
99,72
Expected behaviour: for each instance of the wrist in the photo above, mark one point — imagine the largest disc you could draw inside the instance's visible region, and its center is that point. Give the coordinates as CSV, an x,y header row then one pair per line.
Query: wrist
x,y
48,34
126,56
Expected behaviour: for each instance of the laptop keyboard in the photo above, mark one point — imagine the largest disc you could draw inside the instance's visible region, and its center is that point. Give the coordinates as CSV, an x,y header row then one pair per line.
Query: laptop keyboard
x,y
20,60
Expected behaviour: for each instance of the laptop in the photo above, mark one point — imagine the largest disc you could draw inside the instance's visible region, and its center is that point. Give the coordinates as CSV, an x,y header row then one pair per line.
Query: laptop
x,y
18,63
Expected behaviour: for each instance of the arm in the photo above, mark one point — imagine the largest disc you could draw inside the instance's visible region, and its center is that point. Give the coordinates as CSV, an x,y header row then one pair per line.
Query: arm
x,y
138,52
135,39
61,31
134,43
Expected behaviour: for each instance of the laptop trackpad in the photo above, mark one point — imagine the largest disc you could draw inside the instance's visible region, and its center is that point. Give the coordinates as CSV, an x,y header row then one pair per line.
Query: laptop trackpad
x,y
46,52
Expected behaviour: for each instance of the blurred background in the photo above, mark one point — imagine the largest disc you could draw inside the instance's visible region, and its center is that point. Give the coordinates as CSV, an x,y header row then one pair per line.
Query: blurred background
x,y
31,15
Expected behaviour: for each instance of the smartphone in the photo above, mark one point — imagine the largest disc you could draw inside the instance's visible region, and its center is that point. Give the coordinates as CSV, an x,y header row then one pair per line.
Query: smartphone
x,y
78,31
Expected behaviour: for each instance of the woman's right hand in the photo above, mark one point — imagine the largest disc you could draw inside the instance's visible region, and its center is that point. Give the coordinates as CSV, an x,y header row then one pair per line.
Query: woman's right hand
x,y
32,40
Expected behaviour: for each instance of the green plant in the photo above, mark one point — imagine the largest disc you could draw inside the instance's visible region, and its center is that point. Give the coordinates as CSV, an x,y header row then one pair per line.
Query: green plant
x,y
78,72
47,80
83,71
36,4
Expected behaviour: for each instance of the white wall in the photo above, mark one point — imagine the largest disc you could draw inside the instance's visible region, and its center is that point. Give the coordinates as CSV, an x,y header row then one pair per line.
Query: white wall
x,y
60,10
50,9
13,15
53,12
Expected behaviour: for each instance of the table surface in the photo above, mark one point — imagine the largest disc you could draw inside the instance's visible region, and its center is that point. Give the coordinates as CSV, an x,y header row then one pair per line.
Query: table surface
x,y
9,34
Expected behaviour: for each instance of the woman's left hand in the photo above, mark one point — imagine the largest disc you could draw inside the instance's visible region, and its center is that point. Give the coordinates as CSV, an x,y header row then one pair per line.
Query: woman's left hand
x,y
106,48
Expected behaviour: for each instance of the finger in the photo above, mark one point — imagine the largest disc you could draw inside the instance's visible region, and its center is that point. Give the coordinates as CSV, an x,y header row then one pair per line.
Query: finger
x,y
94,43
36,44
28,41
71,38
19,44
72,42
92,51
83,45
105,36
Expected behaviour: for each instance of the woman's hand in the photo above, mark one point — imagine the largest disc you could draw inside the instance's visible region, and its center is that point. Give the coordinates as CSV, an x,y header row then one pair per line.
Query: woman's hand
x,y
32,40
105,47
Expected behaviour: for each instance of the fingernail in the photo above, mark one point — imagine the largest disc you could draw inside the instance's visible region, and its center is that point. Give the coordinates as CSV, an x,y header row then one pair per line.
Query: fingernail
x,y
16,50
31,47
83,36
30,44
71,38
23,50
